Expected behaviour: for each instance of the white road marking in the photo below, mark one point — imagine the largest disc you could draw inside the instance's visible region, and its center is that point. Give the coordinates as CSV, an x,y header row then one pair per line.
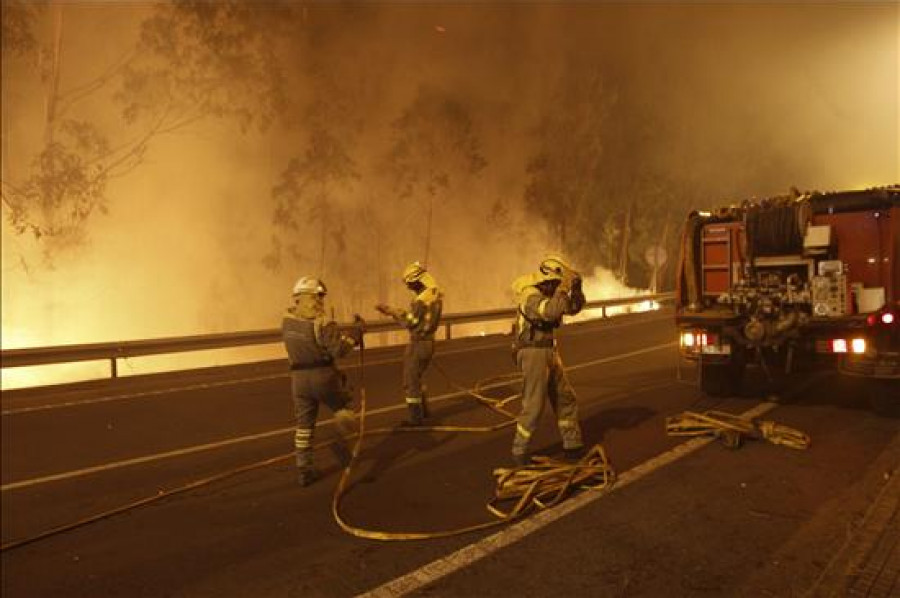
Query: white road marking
x,y
285,374
430,573
259,436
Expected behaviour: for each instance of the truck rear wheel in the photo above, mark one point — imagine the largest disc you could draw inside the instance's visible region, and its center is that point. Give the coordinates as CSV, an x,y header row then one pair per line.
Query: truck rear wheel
x,y
721,379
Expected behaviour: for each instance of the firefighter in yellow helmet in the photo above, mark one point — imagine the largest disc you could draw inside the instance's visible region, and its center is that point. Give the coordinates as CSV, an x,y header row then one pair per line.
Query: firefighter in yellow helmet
x,y
313,345
422,320
543,299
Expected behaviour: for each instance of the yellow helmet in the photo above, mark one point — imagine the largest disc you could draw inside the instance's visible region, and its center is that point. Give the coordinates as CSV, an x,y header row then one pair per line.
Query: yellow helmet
x,y
414,272
553,266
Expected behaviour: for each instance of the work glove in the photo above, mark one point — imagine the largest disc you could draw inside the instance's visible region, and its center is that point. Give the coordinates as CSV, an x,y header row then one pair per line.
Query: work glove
x,y
576,286
389,311
359,330
355,334
569,277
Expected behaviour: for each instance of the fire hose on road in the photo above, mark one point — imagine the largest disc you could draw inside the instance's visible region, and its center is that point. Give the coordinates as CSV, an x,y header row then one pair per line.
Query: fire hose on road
x,y
731,430
540,485
519,491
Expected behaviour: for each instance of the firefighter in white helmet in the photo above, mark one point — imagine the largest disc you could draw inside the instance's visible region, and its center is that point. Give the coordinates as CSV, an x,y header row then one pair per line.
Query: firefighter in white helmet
x,y
422,320
313,344
543,299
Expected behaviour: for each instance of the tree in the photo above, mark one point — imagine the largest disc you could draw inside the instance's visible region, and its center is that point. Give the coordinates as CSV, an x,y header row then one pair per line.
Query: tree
x,y
194,59
305,195
199,58
563,173
435,147
65,180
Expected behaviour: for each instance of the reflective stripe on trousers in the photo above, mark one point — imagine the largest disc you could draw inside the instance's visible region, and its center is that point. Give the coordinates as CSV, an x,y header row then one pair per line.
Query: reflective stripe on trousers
x,y
309,389
545,378
303,447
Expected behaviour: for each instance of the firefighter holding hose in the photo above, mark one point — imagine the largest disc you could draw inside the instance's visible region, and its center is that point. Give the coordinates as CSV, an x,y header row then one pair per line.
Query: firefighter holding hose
x,y
543,299
313,345
422,320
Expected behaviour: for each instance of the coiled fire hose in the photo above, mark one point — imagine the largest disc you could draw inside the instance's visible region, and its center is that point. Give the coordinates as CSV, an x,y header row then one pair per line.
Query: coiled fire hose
x,y
542,484
731,430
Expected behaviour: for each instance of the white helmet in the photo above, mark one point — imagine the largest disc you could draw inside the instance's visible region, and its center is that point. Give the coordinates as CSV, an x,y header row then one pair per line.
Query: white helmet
x,y
309,285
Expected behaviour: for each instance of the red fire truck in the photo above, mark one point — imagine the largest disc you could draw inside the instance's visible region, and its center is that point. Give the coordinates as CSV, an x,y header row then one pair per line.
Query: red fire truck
x,y
793,283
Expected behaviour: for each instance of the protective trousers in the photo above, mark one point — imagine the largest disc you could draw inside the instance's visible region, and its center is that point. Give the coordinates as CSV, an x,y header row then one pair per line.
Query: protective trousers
x,y
416,358
545,378
309,388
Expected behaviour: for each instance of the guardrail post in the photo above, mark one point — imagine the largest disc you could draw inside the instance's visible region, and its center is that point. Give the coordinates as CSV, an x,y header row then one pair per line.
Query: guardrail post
x,y
447,334
113,368
603,312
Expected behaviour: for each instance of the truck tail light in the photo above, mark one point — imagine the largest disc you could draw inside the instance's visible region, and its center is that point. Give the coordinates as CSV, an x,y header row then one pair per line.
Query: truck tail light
x,y
687,339
697,338
841,345
888,318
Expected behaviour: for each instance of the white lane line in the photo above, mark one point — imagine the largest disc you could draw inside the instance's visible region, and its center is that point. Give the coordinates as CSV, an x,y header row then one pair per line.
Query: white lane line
x,y
432,572
238,381
241,439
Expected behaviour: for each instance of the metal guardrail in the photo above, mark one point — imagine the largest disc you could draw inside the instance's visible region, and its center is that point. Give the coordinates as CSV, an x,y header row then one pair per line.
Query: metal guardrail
x,y
113,351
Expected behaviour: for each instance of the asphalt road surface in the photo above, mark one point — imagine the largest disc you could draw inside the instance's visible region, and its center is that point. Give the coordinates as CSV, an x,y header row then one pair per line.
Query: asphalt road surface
x,y
684,520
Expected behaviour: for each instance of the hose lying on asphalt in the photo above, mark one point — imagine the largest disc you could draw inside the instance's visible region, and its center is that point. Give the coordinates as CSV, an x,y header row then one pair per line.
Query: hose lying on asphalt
x,y
542,484
731,430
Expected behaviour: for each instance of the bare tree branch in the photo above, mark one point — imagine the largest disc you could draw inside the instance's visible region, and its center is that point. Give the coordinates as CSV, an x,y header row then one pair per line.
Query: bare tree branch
x,y
65,100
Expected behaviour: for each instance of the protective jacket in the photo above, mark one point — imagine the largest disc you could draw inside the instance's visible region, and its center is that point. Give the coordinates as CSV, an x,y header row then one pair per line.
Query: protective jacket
x,y
310,340
424,315
540,316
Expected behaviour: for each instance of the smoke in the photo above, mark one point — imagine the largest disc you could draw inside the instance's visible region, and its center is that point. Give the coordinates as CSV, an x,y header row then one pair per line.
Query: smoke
x,y
700,104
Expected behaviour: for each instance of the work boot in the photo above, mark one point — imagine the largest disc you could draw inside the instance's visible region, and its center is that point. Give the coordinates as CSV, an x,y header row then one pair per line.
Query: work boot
x,y
416,415
574,455
341,453
308,476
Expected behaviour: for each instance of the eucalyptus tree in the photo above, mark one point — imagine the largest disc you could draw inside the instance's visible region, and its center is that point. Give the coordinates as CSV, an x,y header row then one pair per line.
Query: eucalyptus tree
x,y
435,148
192,60
563,173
